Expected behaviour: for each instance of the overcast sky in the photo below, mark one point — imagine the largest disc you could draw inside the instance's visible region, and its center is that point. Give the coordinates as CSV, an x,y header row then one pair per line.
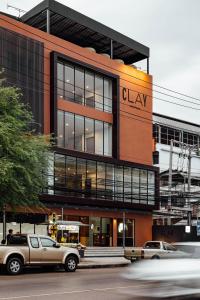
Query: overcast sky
x,y
169,28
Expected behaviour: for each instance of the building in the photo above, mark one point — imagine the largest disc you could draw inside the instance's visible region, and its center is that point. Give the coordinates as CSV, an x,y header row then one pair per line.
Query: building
x,y
80,82
186,136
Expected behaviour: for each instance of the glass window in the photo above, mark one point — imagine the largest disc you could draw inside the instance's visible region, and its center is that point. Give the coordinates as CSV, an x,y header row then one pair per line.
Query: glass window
x,y
143,186
135,185
127,184
69,130
119,183
79,133
69,82
60,128
89,135
60,80
151,188
110,181
98,92
91,177
164,135
71,181
107,95
89,89
81,173
34,242
101,179
185,137
79,85
47,242
59,169
107,139
99,137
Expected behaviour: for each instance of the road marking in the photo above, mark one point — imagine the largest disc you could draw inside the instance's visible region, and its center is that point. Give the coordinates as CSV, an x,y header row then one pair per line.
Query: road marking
x,y
67,292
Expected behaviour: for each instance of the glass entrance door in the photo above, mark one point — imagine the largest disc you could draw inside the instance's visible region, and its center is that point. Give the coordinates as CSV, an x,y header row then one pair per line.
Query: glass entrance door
x,y
100,232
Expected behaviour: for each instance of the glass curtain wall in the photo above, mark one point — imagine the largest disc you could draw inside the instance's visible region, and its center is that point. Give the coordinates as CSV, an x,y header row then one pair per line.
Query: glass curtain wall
x,y
103,181
84,86
83,134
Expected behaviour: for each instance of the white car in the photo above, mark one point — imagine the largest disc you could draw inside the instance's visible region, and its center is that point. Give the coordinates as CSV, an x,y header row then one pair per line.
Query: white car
x,y
165,279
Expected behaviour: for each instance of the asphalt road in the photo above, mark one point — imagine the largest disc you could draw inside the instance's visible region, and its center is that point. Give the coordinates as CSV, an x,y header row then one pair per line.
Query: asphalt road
x,y
83,284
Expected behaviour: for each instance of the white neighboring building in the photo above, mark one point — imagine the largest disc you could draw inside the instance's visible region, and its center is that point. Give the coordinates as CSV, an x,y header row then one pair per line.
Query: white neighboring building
x,y
164,129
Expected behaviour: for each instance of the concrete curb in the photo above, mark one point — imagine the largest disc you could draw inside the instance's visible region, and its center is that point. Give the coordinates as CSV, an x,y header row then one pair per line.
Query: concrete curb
x,y
96,266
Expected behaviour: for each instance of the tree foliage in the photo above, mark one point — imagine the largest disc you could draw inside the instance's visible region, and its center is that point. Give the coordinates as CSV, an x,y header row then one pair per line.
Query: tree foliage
x,y
23,153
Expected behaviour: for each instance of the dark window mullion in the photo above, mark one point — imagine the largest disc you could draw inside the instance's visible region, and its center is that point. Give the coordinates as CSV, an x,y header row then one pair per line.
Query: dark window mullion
x,y
74,83
131,195
139,185
103,95
84,88
103,138
123,183
74,130
63,143
84,142
96,180
147,196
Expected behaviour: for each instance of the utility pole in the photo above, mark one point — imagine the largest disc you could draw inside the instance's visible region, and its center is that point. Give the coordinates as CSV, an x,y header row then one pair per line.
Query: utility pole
x,y
189,184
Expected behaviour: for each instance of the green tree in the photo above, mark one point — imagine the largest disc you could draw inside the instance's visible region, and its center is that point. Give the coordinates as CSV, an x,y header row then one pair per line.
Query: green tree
x,y
23,153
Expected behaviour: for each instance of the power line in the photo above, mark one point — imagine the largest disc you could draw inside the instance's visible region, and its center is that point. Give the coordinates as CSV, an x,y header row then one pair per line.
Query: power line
x,y
118,71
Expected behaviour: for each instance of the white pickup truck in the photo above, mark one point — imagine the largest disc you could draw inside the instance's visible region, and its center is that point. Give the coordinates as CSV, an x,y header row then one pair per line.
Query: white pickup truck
x,y
153,250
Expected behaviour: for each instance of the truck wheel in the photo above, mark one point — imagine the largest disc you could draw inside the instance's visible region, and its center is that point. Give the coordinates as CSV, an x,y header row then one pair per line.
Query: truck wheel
x,y
155,257
14,266
70,264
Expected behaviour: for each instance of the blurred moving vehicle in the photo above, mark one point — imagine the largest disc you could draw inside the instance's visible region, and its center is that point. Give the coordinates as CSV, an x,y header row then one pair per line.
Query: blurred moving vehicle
x,y
153,250
192,248
31,249
164,279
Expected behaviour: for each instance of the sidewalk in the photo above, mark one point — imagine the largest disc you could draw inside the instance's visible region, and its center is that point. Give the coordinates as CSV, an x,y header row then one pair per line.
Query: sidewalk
x,y
103,262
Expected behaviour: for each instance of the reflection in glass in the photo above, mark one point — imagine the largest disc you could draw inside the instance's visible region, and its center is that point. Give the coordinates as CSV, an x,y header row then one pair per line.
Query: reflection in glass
x,y
135,185
98,92
69,82
119,183
151,188
81,174
71,173
85,87
79,133
89,89
110,181
107,139
101,179
107,95
79,85
60,127
59,170
91,177
69,130
60,80
99,137
89,135
143,186
127,184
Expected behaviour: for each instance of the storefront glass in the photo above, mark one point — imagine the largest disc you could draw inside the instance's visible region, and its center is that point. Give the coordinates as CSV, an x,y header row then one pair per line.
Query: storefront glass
x,y
100,180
